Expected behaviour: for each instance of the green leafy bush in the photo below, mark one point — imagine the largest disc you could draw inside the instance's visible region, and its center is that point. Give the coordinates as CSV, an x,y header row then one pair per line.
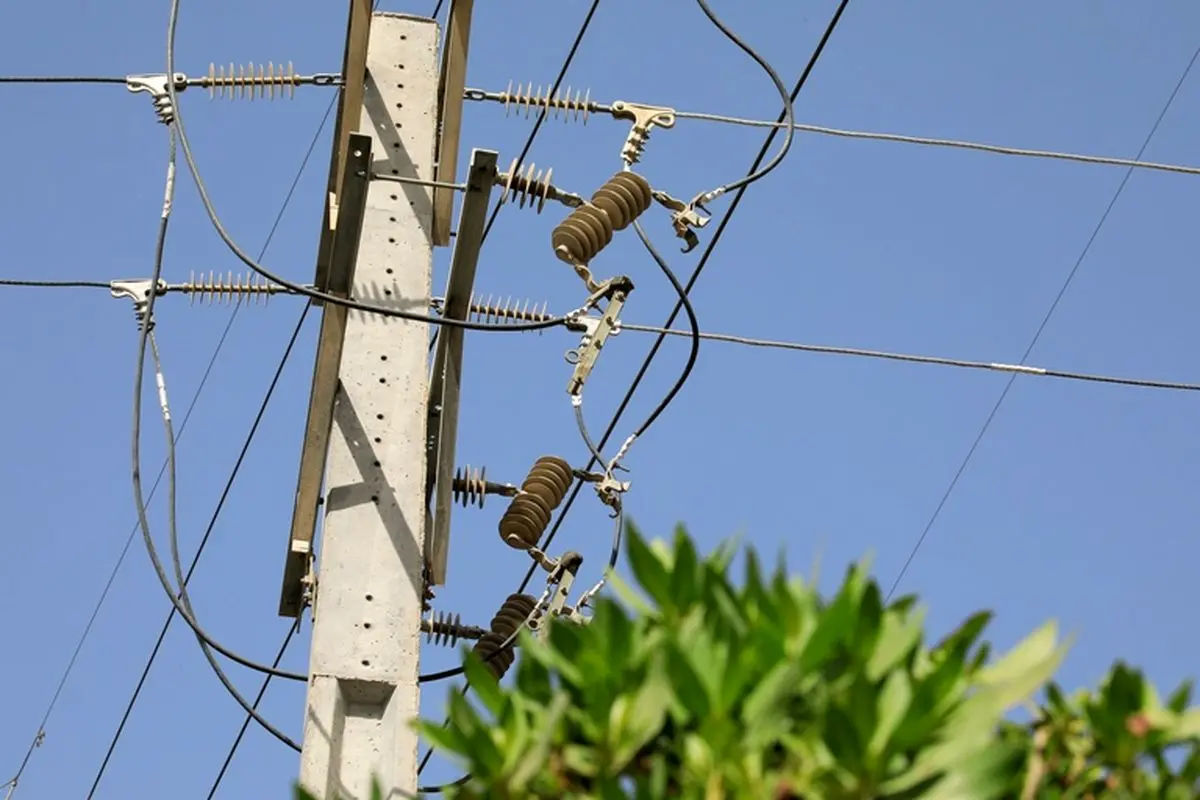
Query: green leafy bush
x,y
700,687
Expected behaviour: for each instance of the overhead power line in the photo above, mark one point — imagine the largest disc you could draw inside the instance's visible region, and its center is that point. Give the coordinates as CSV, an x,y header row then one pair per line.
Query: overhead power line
x,y
116,568
171,614
1020,369
262,691
541,118
954,143
60,79
53,284
987,423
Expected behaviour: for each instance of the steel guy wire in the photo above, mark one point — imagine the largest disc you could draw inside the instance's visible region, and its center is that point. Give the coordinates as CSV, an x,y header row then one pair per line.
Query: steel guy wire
x,y
729,211
252,263
53,284
953,143
680,304
930,141
987,423
60,79
1021,369
253,429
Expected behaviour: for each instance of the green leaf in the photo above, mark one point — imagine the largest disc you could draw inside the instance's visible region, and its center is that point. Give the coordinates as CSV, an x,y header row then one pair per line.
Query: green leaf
x,y
834,623
685,569
1181,697
868,618
1027,658
720,557
638,718
897,638
649,571
533,679
303,794
1016,677
894,702
841,736
964,637
629,595
533,760
765,711
557,654
485,684
614,630
1188,725
486,758
445,738
693,692
1055,699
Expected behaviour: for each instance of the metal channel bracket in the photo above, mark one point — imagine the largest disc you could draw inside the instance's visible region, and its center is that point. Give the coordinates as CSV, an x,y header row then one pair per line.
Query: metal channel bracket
x,y
446,381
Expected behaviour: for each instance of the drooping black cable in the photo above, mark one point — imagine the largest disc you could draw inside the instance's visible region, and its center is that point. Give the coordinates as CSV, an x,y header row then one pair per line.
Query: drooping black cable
x,y
196,558
262,691
139,371
245,448
184,603
789,116
693,324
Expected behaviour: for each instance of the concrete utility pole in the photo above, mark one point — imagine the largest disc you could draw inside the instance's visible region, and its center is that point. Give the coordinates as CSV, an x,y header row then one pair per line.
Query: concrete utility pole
x,y
366,596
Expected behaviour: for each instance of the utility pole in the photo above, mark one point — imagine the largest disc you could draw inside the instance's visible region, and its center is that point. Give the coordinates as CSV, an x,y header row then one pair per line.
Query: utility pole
x,y
368,422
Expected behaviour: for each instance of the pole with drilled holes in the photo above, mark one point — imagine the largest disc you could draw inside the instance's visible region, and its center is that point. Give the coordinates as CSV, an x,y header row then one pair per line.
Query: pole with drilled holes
x,y
367,429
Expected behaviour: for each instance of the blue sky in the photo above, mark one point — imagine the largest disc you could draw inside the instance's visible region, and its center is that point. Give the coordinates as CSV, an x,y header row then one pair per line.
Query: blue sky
x,y
1077,505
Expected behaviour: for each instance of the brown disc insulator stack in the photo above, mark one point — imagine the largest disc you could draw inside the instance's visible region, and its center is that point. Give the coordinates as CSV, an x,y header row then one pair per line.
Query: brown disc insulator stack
x,y
588,229
513,613
529,513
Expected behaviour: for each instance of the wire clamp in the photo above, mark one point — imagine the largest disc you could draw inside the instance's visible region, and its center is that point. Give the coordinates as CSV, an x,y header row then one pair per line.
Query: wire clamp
x,y
595,330
139,292
561,578
156,87
644,119
608,488
684,218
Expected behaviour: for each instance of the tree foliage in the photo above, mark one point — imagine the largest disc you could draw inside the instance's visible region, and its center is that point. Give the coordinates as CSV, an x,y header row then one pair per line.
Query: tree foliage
x,y
702,686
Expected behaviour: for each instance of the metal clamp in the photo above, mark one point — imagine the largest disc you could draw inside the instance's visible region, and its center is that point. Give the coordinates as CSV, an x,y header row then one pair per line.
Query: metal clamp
x,y
595,330
139,292
156,86
562,578
608,488
684,218
644,118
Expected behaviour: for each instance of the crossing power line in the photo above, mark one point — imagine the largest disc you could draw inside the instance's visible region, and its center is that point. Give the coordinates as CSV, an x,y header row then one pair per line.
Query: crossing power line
x,y
1037,335
784,123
